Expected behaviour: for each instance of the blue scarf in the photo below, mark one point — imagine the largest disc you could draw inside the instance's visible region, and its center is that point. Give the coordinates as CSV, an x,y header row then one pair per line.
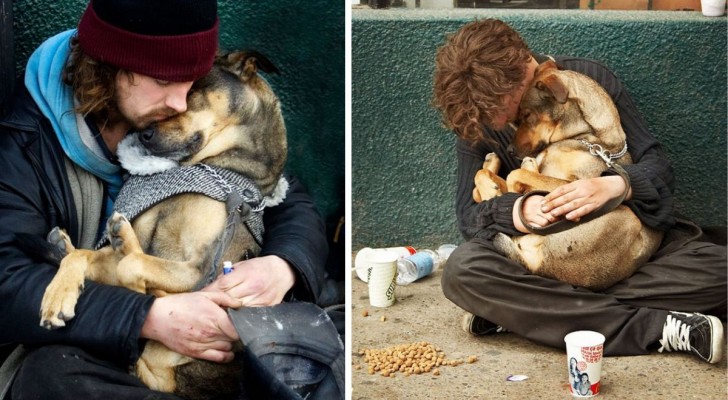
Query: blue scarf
x,y
43,78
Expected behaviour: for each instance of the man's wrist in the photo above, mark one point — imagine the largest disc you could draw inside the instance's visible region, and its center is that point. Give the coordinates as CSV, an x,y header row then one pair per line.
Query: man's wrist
x,y
516,217
286,271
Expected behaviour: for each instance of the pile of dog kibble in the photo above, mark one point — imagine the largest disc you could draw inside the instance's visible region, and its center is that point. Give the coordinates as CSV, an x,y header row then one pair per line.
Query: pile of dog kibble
x,y
413,358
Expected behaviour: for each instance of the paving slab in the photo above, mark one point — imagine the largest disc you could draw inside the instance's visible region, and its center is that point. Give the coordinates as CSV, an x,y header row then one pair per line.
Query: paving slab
x,y
422,313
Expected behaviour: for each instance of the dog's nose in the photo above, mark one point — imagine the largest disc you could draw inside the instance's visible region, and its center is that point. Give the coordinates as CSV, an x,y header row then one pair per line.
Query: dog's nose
x,y
146,135
512,152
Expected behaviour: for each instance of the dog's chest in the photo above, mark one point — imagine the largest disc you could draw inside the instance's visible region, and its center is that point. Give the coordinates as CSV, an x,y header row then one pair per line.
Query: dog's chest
x,y
569,165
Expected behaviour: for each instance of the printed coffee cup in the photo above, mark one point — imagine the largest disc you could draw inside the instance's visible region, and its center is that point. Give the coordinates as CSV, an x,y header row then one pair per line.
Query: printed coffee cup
x,y
363,256
381,273
584,350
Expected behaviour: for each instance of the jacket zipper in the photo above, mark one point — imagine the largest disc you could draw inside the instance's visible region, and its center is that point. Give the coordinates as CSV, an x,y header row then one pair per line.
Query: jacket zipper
x,y
50,189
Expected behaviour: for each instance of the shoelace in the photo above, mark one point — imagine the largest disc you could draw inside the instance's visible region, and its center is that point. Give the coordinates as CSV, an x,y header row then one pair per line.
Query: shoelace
x,y
675,335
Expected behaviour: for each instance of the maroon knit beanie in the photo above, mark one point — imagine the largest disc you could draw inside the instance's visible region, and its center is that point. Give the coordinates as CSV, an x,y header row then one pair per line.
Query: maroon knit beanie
x,y
171,40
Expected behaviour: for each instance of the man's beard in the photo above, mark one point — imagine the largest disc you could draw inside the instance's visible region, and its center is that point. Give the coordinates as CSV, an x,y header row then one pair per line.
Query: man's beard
x,y
151,119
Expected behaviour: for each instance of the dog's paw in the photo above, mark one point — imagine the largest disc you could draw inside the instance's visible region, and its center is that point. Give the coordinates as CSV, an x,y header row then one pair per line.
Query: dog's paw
x,y
59,301
121,235
492,163
487,185
59,238
529,164
115,227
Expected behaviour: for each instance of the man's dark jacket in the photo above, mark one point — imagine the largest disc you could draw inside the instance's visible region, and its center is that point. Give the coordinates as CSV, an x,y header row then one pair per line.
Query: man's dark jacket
x,y
35,196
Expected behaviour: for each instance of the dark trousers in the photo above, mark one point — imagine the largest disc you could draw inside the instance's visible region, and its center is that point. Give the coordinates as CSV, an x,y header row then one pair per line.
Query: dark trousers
x,y
64,372
686,274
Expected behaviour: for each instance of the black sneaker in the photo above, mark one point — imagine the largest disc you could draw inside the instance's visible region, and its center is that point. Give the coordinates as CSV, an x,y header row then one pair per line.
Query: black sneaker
x,y
697,333
477,326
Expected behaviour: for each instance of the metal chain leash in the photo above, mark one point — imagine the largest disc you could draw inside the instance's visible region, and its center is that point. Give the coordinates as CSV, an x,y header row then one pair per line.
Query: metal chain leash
x,y
596,149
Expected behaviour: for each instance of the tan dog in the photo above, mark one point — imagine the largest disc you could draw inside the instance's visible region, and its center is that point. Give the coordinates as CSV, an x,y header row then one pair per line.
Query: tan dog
x,y
233,123
571,126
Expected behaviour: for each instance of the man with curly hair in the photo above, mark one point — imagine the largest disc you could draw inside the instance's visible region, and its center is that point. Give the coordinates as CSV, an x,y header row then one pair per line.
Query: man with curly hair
x,y
481,73
129,64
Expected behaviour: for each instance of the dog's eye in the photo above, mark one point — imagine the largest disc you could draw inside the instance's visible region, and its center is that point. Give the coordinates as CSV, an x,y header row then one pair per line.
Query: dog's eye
x,y
523,116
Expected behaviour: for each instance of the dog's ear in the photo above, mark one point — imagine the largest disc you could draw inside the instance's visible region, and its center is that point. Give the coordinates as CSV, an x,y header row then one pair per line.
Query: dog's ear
x,y
545,66
246,63
550,86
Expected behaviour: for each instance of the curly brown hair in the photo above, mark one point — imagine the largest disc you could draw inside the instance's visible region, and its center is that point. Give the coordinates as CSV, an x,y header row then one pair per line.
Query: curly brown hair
x,y
476,67
93,83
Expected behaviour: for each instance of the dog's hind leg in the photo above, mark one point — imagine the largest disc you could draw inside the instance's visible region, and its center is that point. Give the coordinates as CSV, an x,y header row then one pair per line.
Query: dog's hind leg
x,y
156,366
527,249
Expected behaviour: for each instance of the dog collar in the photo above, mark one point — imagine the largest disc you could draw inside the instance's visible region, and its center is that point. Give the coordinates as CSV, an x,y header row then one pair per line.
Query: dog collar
x,y
596,149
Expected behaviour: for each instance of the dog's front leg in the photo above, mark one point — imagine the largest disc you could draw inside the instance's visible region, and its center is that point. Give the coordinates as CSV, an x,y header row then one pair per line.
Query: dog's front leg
x,y
145,273
61,295
487,182
528,178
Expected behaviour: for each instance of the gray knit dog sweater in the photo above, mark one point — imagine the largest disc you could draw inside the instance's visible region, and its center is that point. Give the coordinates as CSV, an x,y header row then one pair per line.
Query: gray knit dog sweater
x,y
141,192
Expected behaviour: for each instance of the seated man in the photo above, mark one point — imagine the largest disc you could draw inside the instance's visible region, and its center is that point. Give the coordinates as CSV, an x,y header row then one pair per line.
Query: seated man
x,y
129,64
669,304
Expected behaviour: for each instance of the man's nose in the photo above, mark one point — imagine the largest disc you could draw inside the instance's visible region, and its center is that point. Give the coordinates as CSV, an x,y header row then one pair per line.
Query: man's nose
x,y
177,96
177,100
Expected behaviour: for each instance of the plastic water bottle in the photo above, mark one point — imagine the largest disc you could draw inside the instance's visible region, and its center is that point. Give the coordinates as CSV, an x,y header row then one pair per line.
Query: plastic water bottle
x,y
416,266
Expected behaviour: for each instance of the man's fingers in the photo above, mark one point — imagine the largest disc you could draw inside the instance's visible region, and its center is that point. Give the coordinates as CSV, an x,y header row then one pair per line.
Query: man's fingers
x,y
216,356
222,299
255,300
227,327
576,214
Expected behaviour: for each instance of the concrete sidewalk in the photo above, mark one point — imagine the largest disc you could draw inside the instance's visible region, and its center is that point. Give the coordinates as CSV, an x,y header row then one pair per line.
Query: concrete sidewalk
x,y
422,313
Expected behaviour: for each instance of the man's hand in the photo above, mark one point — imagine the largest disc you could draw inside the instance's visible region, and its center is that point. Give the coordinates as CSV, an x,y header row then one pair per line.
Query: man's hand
x,y
261,281
531,213
194,324
577,199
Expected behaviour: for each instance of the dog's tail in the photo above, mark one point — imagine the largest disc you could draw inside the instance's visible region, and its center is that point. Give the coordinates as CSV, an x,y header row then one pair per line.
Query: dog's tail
x,y
39,249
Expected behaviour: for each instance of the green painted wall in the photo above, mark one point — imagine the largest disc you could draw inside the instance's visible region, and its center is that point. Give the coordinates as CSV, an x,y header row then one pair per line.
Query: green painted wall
x,y
403,161
304,39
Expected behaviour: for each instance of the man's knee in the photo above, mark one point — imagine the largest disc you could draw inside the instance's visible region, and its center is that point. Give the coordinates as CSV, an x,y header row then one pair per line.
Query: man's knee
x,y
452,272
462,264
63,372
42,373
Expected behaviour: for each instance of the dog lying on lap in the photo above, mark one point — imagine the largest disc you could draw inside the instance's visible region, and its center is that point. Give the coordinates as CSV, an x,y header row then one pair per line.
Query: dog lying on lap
x,y
200,182
570,130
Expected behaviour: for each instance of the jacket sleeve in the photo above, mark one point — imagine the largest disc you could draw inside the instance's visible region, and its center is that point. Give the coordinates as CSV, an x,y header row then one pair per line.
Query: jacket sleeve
x,y
295,232
651,174
489,217
107,319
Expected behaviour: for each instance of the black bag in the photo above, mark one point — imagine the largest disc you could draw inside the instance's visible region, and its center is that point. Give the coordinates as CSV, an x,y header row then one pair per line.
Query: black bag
x,y
293,351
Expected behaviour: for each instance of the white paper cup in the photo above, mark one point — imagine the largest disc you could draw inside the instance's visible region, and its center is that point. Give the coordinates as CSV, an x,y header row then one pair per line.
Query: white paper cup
x,y
365,254
381,271
584,353
445,250
713,8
